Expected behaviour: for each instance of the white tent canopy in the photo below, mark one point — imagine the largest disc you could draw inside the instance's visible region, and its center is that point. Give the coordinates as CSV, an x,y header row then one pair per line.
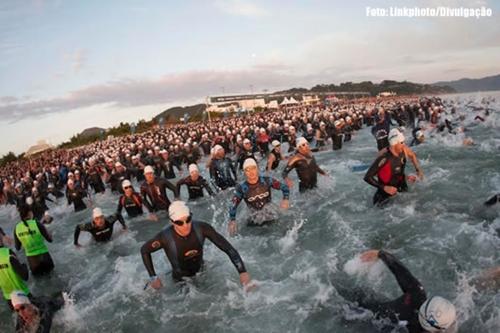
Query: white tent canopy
x,y
290,101
273,104
41,146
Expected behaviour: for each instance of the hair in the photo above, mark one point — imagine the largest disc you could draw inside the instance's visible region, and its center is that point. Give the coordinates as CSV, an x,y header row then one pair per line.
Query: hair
x,y
24,212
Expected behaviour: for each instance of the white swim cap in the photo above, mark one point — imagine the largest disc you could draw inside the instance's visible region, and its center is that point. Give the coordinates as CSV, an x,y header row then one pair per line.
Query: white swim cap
x,y
97,212
18,298
149,169
249,162
436,314
395,137
301,141
193,167
276,143
178,210
126,183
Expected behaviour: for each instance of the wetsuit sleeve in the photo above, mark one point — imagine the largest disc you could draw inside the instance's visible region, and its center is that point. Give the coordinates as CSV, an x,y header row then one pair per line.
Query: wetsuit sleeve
x,y
179,184
149,247
318,169
289,167
204,183
20,269
238,196
493,200
370,176
78,228
223,245
44,232
407,282
277,185
117,217
120,206
17,242
145,201
171,187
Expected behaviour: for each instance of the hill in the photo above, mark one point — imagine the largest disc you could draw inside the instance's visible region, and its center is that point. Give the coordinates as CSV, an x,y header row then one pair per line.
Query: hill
x,y
473,85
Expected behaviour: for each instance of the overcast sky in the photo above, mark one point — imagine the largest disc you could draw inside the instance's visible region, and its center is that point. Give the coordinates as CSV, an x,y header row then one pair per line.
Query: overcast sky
x,y
69,65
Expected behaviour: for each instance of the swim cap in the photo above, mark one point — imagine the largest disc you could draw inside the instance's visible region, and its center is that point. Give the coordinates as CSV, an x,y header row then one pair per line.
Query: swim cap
x,y
70,174
193,168
126,183
436,314
246,141
18,298
419,134
276,143
97,212
29,201
301,141
178,210
217,148
149,169
249,162
118,164
395,137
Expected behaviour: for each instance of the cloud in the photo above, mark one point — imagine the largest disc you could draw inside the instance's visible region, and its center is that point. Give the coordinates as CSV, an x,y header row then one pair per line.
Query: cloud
x,y
193,85
241,8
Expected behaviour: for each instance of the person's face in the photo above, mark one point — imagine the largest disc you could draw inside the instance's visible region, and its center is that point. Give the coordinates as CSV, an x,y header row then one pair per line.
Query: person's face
x,y
182,226
128,190
277,148
194,175
252,174
99,222
247,145
28,312
150,177
398,148
304,148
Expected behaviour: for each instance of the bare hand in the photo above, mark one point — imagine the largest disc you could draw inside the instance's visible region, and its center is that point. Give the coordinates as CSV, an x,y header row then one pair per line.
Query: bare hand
x,y
156,284
289,182
285,204
7,240
391,190
420,174
246,282
232,228
369,256
412,179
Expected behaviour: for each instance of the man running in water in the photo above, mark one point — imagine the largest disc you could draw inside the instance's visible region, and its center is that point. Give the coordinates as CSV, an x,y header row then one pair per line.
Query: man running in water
x,y
381,129
275,156
414,308
305,164
183,244
130,200
154,192
222,169
195,184
256,191
387,171
100,228
13,274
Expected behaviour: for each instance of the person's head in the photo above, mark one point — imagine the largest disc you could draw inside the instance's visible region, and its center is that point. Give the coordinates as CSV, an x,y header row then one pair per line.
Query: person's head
x,y
119,167
303,146
396,140
180,217
419,135
164,153
247,144
25,212
437,314
251,170
23,307
71,184
127,187
149,174
98,218
71,175
194,172
219,151
276,145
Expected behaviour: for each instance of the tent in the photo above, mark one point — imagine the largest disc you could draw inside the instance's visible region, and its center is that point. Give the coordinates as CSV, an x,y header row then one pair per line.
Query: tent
x,y
40,147
272,104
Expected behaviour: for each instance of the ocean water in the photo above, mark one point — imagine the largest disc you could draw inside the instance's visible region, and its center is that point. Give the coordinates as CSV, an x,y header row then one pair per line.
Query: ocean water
x,y
439,229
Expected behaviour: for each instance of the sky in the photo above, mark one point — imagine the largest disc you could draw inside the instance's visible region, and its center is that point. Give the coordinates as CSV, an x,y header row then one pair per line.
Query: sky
x,y
69,65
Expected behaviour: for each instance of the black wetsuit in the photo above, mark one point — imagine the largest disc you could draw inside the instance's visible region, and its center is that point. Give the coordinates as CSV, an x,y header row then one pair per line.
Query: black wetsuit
x,y
243,156
116,179
47,307
277,159
387,170
154,196
381,132
195,188
223,172
39,264
403,308
186,253
103,234
307,171
493,200
39,206
95,180
167,166
75,196
337,138
132,204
